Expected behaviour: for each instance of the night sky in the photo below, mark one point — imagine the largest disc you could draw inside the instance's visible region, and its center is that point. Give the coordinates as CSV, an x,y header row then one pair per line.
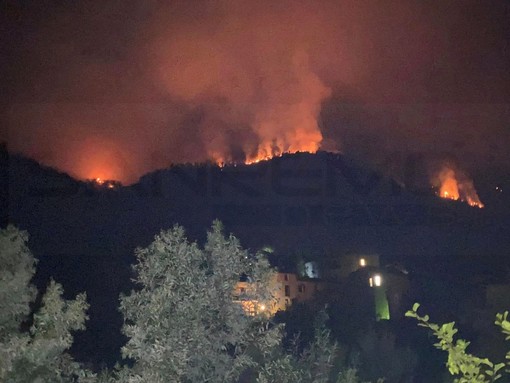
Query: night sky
x,y
115,89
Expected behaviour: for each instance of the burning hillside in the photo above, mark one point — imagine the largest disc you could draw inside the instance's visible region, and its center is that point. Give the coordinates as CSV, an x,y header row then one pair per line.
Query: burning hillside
x,y
455,185
269,151
242,81
100,183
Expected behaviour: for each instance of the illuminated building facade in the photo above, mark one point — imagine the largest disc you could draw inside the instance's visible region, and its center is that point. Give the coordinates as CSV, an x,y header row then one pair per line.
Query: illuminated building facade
x,y
382,289
286,289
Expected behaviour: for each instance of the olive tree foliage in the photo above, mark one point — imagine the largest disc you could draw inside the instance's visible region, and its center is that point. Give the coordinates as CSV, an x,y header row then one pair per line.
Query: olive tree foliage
x,y
317,363
17,267
313,365
182,322
39,354
465,367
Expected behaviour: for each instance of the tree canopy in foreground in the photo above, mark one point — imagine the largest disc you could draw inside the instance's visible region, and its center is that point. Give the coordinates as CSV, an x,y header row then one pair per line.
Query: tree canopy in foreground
x,y
39,354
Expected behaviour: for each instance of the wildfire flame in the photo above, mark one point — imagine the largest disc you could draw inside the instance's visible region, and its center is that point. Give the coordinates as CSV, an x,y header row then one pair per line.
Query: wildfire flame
x,y
451,188
304,142
267,151
283,118
264,153
102,183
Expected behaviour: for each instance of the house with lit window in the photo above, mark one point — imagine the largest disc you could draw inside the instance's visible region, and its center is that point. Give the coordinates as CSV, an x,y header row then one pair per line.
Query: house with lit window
x,y
360,280
387,286
286,289
339,268
289,289
382,290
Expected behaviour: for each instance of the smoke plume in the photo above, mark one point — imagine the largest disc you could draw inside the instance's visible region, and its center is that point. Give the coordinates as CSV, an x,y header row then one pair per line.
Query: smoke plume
x,y
115,89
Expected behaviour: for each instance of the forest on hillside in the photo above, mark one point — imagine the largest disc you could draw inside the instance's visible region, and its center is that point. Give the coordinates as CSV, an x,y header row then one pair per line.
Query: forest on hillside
x,y
181,324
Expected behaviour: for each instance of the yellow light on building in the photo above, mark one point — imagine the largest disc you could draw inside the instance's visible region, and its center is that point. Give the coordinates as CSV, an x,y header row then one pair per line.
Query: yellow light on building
x,y
362,262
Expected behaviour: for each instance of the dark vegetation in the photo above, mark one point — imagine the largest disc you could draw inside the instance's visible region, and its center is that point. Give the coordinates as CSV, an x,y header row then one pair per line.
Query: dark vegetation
x,y
306,207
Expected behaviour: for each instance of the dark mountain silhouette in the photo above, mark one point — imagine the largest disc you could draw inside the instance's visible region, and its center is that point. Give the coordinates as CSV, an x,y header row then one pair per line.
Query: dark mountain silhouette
x,y
305,206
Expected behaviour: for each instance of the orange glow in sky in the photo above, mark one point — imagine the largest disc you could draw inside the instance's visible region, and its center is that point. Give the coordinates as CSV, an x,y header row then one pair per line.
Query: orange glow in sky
x,y
99,160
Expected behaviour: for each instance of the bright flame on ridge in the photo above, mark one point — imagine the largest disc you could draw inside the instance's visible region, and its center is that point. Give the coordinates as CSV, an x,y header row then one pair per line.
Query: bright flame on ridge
x,y
451,188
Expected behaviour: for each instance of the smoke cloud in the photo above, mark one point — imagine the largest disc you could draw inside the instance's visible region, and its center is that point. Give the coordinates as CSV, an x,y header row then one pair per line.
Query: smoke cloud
x,y
115,89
